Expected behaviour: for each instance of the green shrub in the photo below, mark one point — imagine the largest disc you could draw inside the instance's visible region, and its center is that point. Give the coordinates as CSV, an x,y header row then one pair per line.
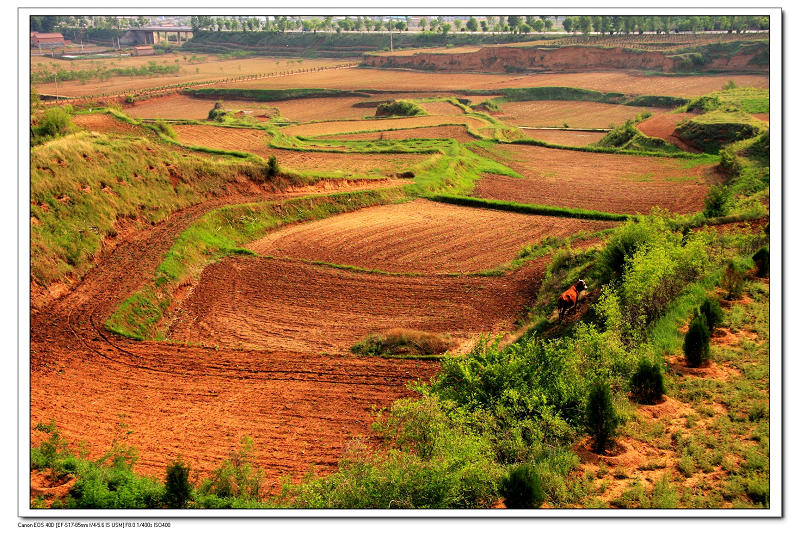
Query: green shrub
x,y
400,341
696,344
521,488
56,121
237,477
217,113
717,201
177,487
647,383
166,129
272,166
761,259
733,280
403,108
130,99
601,417
712,311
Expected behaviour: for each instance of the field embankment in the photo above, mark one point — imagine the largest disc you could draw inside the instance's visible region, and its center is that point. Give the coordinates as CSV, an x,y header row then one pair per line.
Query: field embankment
x,y
733,56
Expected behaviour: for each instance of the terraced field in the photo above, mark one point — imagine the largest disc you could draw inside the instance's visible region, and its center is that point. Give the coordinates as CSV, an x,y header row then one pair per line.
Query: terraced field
x,y
547,113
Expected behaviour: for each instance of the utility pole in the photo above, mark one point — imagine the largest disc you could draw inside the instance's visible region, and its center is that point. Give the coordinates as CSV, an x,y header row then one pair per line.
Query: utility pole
x,y
55,79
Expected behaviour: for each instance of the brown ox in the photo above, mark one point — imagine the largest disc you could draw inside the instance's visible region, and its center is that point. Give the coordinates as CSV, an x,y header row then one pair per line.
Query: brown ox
x,y
569,298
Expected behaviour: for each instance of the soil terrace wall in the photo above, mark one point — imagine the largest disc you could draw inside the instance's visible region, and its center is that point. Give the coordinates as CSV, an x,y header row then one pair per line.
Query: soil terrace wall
x,y
572,58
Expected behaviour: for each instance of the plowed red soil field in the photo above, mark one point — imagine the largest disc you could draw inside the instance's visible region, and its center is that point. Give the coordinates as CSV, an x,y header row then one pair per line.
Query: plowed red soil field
x,y
662,125
332,128
458,133
254,302
576,114
300,409
419,236
611,81
103,123
178,106
255,141
565,138
762,116
441,108
605,182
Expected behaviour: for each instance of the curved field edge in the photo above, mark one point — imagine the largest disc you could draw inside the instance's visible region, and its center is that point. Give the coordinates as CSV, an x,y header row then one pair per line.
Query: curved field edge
x,y
217,234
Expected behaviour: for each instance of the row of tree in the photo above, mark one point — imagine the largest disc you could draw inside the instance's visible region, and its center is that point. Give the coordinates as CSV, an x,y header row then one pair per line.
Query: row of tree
x,y
48,23
283,23
663,24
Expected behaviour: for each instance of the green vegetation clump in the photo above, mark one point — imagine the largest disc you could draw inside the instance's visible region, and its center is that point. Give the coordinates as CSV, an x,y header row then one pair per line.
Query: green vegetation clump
x,y
733,280
628,137
647,383
761,260
602,420
165,129
696,345
217,113
272,166
711,131
177,489
270,95
521,488
400,341
712,312
55,122
402,108
717,201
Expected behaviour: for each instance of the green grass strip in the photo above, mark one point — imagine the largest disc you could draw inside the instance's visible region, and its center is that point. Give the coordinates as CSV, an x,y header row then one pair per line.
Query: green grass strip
x,y
529,209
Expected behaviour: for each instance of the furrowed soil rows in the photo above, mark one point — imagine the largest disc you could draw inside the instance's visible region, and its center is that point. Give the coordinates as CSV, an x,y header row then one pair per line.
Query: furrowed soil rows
x,y
609,81
191,70
565,138
457,133
254,302
255,141
332,128
300,409
441,108
104,123
576,114
419,236
662,125
604,182
179,106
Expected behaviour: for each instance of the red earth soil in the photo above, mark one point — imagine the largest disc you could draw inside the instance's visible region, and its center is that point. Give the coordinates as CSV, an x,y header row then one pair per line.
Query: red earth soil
x,y
662,125
104,123
332,128
419,236
458,133
195,402
762,116
256,302
179,106
255,141
565,138
604,182
441,108
610,81
576,114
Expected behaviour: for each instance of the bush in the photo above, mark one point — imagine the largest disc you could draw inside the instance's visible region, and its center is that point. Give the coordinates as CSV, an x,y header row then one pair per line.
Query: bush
x,y
733,280
712,312
521,488
647,383
177,487
761,259
217,113
237,477
601,417
403,108
166,129
130,99
399,341
717,201
272,166
56,121
696,344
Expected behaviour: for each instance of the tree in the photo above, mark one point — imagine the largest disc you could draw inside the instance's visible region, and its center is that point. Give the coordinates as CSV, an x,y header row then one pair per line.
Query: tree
x,y
423,23
524,28
548,24
538,26
434,24
514,22
457,24
628,24
472,24
444,28
484,26
584,24
568,24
